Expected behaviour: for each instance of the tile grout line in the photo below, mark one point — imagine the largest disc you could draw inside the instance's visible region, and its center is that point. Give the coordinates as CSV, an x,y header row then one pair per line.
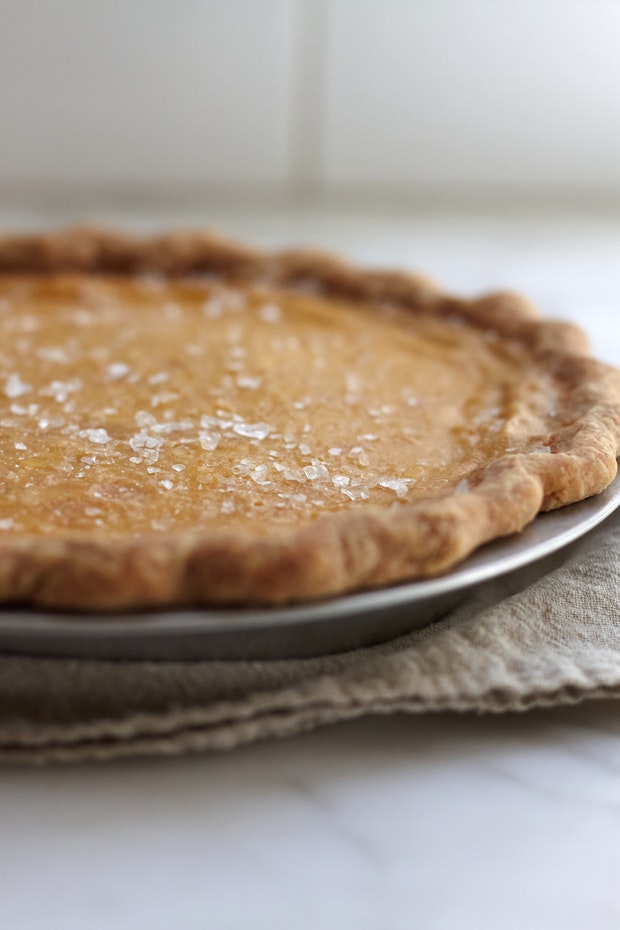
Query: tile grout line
x,y
307,97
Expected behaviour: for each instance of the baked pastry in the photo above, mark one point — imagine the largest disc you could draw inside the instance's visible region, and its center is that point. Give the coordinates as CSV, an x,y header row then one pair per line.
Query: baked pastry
x,y
184,420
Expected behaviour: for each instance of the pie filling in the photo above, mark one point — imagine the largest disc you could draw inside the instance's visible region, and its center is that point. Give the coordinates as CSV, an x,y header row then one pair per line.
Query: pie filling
x,y
133,406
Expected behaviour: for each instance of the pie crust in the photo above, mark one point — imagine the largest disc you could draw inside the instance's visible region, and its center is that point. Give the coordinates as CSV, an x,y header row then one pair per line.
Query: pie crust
x,y
278,495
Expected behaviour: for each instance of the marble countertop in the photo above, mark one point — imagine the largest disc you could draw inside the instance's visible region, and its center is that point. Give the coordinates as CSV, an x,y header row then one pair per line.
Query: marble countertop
x,y
445,822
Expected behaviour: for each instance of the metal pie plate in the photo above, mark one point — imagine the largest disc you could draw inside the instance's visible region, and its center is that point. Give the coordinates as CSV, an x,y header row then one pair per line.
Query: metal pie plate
x,y
334,625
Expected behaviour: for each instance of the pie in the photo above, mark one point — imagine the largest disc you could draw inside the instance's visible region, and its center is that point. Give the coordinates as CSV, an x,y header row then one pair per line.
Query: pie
x,y
188,421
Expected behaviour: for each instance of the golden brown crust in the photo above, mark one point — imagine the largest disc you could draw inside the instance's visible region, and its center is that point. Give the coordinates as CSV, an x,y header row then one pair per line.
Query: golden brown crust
x,y
341,552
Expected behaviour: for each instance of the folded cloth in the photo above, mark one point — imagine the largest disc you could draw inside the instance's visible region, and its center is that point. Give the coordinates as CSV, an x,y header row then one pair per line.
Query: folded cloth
x,y
555,641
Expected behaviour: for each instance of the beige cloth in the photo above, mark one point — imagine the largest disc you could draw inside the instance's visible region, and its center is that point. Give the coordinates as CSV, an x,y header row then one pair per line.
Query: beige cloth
x,y
554,642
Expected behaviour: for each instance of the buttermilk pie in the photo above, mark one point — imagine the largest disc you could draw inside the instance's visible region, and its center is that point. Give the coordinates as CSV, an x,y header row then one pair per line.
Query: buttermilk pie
x,y
188,421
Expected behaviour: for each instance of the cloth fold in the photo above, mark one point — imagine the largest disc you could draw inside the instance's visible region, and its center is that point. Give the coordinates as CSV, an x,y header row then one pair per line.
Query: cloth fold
x,y
556,641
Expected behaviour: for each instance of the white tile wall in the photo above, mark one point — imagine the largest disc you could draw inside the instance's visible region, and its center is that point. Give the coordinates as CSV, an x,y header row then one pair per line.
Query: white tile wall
x,y
145,90
489,93
389,95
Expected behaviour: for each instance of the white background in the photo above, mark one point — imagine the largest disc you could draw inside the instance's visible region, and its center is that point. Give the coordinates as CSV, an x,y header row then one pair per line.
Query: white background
x,y
419,99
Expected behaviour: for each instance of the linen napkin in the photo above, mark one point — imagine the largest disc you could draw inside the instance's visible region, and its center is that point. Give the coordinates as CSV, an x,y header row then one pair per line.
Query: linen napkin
x,y
554,641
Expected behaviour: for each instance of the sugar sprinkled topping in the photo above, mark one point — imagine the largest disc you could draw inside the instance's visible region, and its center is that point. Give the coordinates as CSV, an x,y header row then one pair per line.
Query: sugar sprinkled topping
x,y
399,485
316,470
270,313
52,354
209,440
15,387
252,430
158,378
246,381
117,370
215,371
99,436
60,390
259,474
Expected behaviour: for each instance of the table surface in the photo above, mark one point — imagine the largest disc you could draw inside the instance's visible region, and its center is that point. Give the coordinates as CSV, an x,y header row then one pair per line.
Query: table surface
x,y
446,822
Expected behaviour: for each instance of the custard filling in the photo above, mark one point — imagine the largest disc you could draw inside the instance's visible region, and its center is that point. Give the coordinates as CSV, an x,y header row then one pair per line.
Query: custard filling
x,y
133,406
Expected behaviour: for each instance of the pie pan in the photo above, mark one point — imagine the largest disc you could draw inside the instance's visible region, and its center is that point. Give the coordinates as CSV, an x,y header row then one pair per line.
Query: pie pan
x,y
319,628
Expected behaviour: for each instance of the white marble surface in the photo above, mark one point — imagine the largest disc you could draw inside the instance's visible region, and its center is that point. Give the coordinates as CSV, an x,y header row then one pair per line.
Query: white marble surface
x,y
441,822
447,823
